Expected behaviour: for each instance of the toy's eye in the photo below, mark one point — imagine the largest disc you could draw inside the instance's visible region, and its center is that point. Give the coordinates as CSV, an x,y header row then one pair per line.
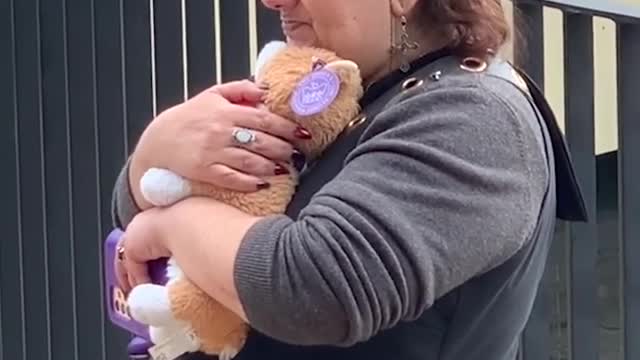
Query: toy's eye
x,y
317,63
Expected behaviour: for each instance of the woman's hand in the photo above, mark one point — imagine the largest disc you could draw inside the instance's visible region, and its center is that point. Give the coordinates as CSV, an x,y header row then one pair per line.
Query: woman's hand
x,y
143,241
201,234
195,139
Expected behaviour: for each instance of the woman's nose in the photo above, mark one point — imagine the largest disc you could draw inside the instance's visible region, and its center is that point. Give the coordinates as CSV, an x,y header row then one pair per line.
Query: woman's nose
x,y
279,4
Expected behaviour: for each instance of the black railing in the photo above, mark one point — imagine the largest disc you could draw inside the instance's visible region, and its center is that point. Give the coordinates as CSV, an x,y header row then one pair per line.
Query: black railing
x,y
579,247
80,80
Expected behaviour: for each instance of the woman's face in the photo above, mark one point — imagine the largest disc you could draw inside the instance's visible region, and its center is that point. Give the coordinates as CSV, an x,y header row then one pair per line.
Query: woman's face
x,y
358,30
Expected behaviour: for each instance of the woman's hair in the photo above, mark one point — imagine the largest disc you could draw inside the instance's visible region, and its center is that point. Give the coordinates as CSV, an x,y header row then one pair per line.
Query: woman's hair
x,y
475,28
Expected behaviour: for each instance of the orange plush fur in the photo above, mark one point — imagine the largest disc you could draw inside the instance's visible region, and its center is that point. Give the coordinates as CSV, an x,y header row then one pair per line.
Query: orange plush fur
x,y
218,329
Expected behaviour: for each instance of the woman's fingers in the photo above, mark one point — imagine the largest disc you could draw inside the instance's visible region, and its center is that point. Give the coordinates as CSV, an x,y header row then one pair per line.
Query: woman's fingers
x,y
229,178
250,163
200,134
137,272
243,91
122,276
131,282
267,122
264,144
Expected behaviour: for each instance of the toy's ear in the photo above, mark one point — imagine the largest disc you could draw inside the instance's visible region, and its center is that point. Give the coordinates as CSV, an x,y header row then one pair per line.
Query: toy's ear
x,y
266,54
343,67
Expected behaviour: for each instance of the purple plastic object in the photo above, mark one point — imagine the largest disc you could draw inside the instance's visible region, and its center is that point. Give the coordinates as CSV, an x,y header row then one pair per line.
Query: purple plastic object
x,y
138,348
115,297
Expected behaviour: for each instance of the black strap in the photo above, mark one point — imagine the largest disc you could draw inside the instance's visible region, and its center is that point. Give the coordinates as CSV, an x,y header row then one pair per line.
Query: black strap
x,y
570,201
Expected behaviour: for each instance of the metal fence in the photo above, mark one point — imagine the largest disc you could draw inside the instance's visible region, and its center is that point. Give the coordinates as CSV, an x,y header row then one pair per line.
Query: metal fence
x,y
577,249
80,80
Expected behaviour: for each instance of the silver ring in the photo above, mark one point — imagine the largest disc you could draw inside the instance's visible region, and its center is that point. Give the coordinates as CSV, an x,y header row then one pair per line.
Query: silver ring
x,y
243,136
120,253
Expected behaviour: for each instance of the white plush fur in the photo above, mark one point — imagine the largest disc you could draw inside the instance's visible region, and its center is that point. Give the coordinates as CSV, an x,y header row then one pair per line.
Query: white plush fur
x,y
268,51
228,353
162,187
342,64
176,334
150,305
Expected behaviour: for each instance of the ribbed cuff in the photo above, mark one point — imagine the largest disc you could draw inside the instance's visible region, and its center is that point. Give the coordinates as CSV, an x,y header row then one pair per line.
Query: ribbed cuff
x,y
123,206
254,271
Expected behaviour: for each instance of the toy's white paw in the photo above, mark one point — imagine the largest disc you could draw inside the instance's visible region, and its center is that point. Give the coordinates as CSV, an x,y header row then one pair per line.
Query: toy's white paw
x,y
162,334
162,187
172,342
228,353
150,305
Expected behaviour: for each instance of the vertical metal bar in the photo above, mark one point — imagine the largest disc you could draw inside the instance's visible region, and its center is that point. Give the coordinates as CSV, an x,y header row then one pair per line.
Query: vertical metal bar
x,y
11,274
139,102
30,133
168,53
58,182
1,322
529,54
252,24
234,16
111,127
583,237
201,51
85,192
629,179
269,28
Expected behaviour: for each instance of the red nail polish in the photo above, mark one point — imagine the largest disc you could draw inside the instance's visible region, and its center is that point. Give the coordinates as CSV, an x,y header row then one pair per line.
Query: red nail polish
x,y
302,133
281,170
263,186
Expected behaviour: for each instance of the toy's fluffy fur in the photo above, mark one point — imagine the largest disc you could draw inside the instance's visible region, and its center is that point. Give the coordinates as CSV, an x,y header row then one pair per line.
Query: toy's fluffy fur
x,y
183,305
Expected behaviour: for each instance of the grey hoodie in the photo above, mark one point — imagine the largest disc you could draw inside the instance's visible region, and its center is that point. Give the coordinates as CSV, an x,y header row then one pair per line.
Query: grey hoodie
x,y
438,194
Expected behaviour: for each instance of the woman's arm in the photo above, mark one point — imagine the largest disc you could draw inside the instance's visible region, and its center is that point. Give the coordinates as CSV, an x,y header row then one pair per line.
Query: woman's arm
x,y
442,188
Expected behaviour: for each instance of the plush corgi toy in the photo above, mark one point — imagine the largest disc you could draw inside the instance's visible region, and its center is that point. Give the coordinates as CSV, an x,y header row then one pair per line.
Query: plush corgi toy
x,y
310,86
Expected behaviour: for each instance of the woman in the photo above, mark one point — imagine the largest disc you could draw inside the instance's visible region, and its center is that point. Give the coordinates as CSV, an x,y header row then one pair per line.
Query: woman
x,y
422,234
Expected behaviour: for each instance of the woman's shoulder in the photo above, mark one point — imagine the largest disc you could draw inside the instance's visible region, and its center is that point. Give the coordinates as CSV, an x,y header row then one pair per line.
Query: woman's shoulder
x,y
479,116
490,99
496,82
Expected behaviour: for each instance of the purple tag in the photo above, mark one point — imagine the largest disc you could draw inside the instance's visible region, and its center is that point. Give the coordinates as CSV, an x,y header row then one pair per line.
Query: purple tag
x,y
315,92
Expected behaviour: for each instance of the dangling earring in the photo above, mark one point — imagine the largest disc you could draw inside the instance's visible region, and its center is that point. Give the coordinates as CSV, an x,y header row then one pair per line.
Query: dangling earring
x,y
406,44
